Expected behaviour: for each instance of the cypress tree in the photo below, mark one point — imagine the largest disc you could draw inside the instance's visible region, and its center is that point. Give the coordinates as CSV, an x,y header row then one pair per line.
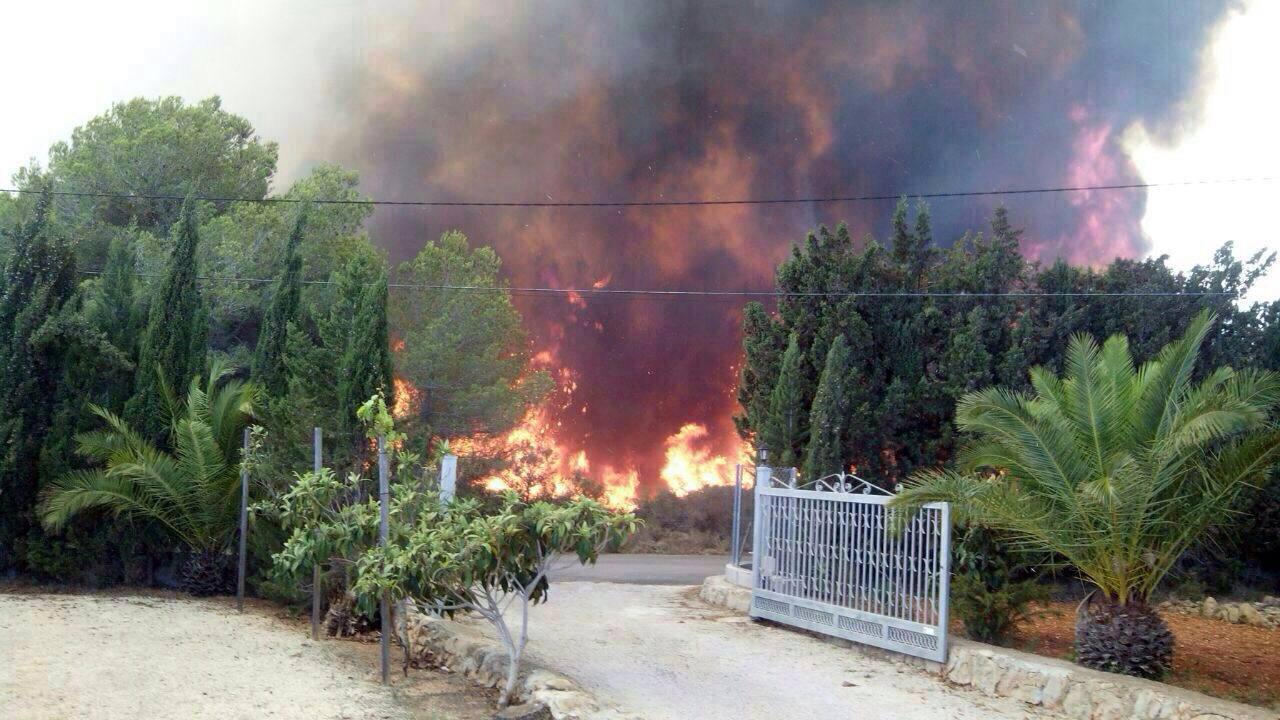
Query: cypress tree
x,y
365,365
39,279
785,431
829,414
269,370
173,347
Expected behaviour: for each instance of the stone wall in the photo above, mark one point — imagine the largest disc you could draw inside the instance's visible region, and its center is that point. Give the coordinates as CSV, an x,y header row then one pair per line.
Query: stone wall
x,y
1056,685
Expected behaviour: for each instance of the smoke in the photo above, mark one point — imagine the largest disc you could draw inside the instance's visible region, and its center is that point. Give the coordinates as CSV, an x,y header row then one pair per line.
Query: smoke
x,y
606,101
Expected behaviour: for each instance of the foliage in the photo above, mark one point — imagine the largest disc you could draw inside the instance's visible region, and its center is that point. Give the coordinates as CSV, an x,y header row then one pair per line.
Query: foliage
x,y
1117,470
452,558
990,592
193,491
786,428
827,418
38,282
269,369
465,352
912,357
174,346
160,147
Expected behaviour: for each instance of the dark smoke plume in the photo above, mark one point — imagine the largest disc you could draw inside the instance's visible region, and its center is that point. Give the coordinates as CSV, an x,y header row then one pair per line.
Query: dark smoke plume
x,y
646,100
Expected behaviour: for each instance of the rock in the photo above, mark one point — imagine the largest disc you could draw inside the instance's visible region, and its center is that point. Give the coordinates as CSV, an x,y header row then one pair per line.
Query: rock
x,y
1210,607
527,711
1232,614
1251,615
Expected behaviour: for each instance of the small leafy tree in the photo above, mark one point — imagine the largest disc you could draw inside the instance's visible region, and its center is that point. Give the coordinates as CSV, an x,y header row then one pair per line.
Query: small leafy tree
x,y
442,558
1119,471
454,558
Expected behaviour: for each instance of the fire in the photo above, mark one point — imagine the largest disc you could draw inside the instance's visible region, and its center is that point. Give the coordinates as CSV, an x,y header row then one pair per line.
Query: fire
x,y
692,465
405,398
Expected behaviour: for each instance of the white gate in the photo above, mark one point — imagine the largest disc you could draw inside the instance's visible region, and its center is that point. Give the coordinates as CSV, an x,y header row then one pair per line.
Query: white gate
x,y
825,560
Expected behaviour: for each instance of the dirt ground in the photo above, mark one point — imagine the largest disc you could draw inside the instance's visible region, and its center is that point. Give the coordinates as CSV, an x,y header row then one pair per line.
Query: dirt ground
x,y
1237,662
661,653
154,656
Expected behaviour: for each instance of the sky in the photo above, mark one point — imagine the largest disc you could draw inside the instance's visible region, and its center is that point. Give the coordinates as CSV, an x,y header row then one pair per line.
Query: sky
x,y
247,53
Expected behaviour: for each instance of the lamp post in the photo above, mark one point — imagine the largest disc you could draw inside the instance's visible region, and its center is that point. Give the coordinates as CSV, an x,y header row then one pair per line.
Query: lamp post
x,y
762,455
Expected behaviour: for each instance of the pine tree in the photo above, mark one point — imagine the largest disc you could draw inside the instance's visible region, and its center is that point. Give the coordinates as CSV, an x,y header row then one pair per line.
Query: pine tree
x,y
269,371
39,279
785,430
173,348
829,414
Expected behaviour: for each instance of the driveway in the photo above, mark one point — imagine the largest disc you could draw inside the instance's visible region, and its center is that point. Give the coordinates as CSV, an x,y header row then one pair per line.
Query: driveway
x,y
661,653
646,569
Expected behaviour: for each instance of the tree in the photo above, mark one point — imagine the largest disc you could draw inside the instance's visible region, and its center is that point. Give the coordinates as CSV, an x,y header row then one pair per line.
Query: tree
x,y
269,370
174,346
786,428
364,368
829,414
466,353
191,491
155,149
1118,471
38,280
454,558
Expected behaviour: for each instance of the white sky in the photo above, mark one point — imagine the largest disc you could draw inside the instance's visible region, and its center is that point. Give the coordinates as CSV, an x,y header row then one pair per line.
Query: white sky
x,y
70,60
1238,137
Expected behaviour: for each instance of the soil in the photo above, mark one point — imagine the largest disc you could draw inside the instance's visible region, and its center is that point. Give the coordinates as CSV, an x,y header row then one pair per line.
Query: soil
x,y
1236,662
164,655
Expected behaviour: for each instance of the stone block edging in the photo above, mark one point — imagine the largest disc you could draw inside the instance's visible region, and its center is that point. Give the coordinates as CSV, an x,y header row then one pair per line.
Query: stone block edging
x,y
485,663
1060,686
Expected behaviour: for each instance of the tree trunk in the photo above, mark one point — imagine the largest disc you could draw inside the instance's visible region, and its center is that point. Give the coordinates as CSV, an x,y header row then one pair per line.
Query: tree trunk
x,y
1128,638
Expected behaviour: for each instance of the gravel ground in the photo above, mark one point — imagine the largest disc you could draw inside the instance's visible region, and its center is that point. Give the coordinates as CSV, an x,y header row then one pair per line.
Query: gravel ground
x,y
107,657
662,653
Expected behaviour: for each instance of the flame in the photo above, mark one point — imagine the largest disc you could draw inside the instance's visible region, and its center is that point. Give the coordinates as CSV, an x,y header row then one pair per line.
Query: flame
x,y
405,398
691,464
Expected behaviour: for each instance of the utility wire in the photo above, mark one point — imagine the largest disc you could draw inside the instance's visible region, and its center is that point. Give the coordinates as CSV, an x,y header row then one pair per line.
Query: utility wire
x,y
648,203
614,292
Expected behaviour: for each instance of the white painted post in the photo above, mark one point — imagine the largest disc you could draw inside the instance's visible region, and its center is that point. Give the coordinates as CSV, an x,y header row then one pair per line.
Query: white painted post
x,y
315,571
448,478
384,502
244,522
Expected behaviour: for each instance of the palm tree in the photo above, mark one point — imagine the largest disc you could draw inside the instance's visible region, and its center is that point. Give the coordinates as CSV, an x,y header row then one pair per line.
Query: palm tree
x,y
1115,470
191,491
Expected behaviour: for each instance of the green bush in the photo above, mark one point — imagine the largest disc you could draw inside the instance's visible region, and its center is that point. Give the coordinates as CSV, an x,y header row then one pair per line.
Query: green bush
x,y
990,592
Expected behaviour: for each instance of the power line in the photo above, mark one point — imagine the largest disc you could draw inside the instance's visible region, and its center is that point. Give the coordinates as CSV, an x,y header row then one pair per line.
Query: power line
x,y
648,203
620,292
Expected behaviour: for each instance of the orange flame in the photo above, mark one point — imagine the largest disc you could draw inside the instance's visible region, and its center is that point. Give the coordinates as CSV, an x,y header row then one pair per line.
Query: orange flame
x,y
405,398
691,464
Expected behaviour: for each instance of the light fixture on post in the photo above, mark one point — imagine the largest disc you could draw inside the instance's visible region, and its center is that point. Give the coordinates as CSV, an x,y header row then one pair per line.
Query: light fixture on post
x,y
762,454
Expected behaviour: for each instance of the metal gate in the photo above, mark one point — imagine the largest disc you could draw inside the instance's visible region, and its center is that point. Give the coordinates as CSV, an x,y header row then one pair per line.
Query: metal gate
x,y
826,560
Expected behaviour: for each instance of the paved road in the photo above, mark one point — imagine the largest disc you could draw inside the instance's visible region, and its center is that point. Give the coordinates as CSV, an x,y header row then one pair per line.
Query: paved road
x,y
646,569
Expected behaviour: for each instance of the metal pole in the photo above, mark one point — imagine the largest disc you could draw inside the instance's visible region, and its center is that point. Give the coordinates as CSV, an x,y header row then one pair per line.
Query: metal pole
x,y
315,570
757,544
735,545
384,501
244,522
